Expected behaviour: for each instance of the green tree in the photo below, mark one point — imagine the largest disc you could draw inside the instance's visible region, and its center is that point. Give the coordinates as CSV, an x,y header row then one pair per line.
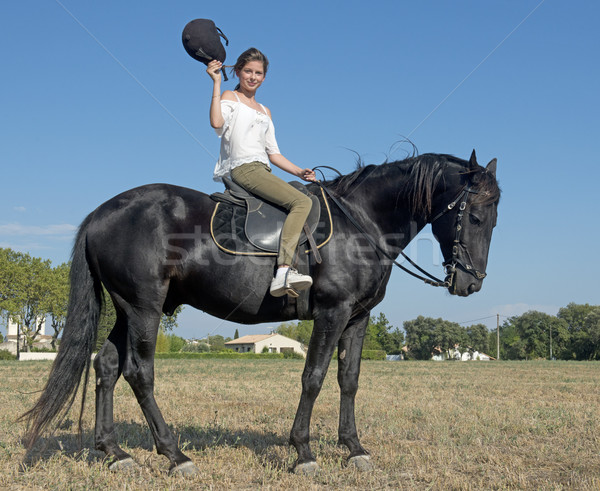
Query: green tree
x,y
583,345
287,329
381,335
559,338
449,335
511,345
591,325
574,315
58,299
478,337
528,336
372,334
9,279
177,343
236,335
300,331
425,334
420,337
305,330
217,342
163,342
25,283
108,318
195,348
168,343
169,322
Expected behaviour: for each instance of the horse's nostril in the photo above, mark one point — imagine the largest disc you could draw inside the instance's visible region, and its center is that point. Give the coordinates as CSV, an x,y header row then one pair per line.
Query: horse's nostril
x,y
473,288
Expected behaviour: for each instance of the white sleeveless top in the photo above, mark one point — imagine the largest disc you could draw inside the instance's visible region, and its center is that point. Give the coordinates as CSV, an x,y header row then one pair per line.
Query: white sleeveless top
x,y
247,136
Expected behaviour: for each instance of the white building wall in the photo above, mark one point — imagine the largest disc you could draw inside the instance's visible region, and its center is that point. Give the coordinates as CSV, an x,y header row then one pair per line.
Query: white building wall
x,y
11,329
242,348
278,342
275,343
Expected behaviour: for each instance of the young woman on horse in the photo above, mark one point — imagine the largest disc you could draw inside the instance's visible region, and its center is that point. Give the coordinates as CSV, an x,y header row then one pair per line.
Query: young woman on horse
x,y
248,146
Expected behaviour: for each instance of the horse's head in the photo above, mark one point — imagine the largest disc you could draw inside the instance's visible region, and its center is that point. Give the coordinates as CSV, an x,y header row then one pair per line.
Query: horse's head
x,y
464,225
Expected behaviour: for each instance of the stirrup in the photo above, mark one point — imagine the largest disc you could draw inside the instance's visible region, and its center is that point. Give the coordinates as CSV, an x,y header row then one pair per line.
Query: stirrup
x,y
285,287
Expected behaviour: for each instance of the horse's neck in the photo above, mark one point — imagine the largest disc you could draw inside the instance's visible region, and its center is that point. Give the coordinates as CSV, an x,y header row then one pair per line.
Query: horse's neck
x,y
387,205
385,211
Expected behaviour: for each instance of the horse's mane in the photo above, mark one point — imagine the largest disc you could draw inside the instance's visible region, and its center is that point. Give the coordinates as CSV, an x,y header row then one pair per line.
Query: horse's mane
x,y
342,184
422,175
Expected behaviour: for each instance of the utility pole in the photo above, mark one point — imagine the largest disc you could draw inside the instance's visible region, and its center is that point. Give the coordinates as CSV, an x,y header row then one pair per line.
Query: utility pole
x,y
551,343
497,336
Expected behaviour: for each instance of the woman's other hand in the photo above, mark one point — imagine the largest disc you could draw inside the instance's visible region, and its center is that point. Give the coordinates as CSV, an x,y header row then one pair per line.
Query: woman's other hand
x,y
308,175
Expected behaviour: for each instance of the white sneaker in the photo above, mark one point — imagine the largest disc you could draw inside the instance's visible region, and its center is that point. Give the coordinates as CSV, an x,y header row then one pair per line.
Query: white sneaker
x,y
289,282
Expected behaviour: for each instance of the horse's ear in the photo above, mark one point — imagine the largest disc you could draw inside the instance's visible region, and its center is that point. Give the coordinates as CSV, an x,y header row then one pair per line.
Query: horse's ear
x,y
473,161
491,167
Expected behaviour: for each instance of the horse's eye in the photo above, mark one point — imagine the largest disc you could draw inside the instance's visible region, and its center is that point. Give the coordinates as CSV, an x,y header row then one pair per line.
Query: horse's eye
x,y
474,219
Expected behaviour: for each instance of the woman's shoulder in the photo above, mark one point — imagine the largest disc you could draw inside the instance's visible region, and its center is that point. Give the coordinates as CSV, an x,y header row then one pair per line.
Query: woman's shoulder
x,y
268,111
228,95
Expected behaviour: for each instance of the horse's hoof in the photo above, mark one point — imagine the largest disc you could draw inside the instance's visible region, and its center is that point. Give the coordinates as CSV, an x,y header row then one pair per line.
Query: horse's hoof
x,y
306,469
361,463
127,464
186,469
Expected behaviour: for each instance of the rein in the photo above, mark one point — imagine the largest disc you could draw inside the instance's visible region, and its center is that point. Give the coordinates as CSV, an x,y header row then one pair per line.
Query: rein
x,y
450,266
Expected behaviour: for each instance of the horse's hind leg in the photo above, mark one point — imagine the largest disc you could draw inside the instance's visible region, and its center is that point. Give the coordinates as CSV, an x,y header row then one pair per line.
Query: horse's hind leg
x,y
108,365
138,370
349,353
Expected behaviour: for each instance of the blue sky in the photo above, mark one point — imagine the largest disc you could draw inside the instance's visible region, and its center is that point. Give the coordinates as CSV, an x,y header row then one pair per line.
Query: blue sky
x,y
97,98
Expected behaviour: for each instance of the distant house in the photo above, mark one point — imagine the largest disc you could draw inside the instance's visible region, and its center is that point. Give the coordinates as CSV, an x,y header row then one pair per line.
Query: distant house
x,y
456,353
42,340
476,355
275,343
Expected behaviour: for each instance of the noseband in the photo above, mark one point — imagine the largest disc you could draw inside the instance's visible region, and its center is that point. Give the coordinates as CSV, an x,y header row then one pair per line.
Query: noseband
x,y
455,260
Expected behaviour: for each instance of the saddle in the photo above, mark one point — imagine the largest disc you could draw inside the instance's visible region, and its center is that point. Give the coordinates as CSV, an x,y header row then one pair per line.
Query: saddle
x,y
262,221
243,224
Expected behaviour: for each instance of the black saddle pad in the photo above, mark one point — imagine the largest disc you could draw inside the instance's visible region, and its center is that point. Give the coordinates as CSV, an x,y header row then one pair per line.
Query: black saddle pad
x,y
231,226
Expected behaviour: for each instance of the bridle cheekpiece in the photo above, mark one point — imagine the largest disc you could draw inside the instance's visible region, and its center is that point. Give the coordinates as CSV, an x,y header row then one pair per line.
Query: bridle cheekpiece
x,y
455,260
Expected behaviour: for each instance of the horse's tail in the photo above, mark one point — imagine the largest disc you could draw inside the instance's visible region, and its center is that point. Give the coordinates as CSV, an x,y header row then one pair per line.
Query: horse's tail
x,y
76,346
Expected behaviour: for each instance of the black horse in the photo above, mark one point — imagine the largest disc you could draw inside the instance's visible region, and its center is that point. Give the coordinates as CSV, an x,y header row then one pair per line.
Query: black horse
x,y
150,248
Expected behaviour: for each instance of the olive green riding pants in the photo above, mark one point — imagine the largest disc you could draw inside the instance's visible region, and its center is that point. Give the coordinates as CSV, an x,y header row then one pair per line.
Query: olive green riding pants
x,y
257,178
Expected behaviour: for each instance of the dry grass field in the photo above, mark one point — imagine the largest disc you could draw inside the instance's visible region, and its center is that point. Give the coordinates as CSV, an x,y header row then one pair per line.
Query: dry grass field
x,y
521,425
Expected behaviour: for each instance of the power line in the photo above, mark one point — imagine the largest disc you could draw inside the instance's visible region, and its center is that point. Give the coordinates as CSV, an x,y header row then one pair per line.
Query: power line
x,y
474,69
483,318
135,79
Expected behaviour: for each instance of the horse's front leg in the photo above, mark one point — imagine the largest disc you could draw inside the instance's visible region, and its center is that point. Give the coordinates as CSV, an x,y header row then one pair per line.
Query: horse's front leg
x,y
349,355
326,332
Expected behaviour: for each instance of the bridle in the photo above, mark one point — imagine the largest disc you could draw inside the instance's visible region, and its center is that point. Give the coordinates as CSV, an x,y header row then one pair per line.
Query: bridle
x,y
449,266
455,260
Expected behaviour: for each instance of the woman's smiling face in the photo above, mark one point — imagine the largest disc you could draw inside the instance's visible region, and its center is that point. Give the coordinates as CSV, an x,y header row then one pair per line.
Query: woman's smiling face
x,y
251,76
